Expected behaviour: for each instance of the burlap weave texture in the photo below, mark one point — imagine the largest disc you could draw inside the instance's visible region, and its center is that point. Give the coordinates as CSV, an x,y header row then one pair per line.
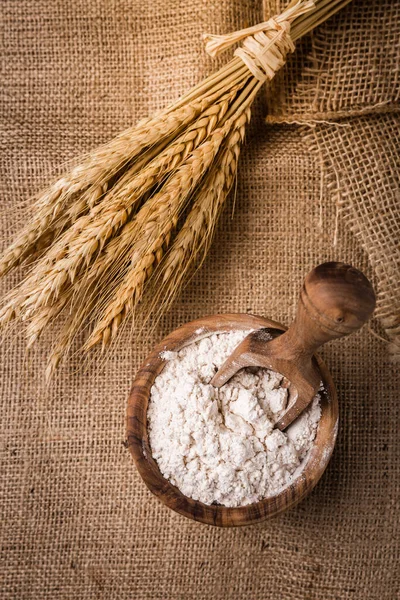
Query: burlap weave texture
x,y
76,520
344,84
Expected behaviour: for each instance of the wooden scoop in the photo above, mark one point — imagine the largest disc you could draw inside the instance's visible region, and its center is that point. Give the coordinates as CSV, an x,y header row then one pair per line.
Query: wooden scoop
x,y
336,300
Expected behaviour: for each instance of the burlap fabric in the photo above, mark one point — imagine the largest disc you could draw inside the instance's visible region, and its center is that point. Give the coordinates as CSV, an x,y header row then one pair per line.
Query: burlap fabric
x,y
344,83
76,520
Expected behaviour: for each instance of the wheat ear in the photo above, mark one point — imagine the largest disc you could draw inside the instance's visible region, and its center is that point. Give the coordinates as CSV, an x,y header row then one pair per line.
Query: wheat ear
x,y
81,305
76,192
42,318
83,187
85,239
135,190
192,242
154,224
103,269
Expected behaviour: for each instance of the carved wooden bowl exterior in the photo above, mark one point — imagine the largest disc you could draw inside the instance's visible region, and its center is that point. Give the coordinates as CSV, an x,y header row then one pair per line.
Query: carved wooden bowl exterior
x,y
138,441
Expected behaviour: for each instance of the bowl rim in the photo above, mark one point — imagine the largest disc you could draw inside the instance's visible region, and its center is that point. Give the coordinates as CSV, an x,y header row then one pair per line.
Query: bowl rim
x,y
170,495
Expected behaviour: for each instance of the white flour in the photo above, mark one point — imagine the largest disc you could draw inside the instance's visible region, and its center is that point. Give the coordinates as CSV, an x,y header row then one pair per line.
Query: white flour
x,y
219,446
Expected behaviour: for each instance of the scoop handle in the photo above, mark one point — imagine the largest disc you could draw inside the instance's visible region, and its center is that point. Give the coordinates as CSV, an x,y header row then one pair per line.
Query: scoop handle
x,y
336,299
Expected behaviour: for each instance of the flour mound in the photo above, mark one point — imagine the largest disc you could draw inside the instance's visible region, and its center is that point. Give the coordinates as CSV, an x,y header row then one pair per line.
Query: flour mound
x,y
220,445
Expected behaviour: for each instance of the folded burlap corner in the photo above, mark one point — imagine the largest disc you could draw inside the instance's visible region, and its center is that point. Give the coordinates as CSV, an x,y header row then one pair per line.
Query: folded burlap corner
x,y
343,86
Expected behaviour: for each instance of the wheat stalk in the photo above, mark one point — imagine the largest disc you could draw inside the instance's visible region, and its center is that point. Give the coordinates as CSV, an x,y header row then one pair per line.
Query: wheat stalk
x,y
193,240
118,249
111,234
42,318
154,225
82,303
77,192
56,272
80,244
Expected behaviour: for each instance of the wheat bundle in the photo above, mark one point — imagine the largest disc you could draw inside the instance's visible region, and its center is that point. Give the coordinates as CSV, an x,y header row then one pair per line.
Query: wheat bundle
x,y
139,213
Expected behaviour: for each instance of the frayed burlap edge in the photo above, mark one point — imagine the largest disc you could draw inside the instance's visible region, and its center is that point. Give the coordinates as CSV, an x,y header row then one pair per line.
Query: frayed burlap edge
x,y
381,250
351,127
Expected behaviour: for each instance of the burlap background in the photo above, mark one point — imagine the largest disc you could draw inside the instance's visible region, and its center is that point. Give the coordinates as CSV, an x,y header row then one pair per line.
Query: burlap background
x,y
344,83
76,520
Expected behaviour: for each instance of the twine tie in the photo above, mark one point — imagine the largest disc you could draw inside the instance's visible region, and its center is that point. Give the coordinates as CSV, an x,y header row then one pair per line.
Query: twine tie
x,y
265,45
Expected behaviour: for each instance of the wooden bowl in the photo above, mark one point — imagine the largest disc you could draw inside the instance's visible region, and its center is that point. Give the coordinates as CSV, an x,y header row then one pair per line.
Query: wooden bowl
x,y
138,441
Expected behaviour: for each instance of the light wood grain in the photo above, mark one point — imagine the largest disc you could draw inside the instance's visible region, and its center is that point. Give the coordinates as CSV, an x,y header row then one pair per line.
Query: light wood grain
x,y
138,441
